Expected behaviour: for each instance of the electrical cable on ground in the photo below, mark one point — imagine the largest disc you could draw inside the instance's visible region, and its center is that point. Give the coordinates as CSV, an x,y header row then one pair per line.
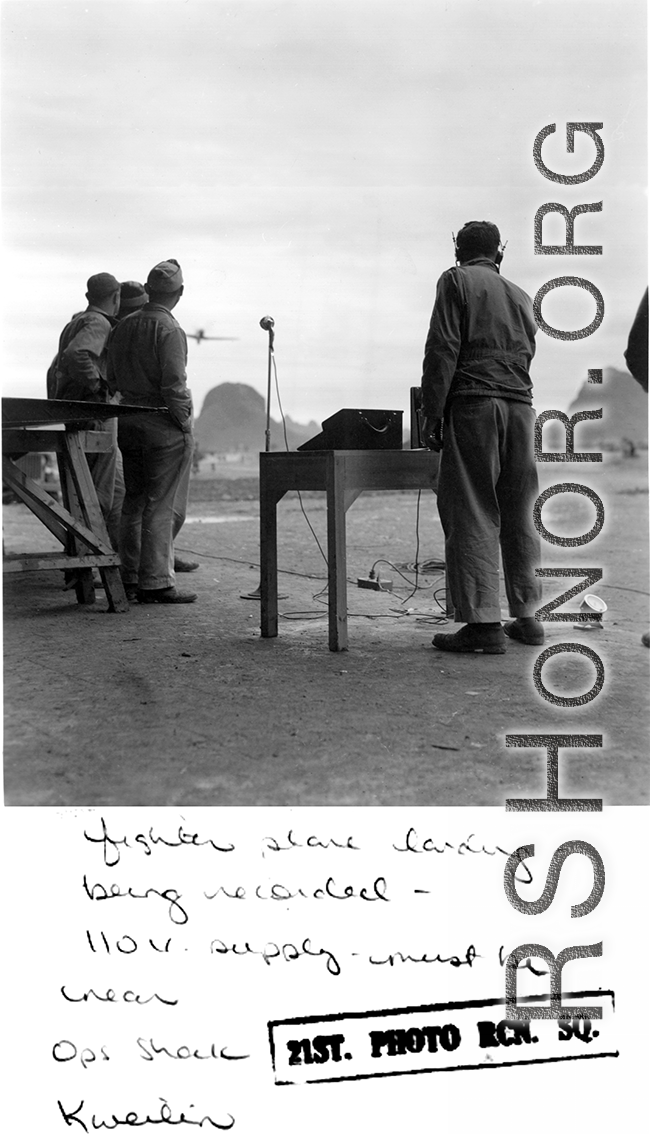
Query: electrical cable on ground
x,y
394,567
247,563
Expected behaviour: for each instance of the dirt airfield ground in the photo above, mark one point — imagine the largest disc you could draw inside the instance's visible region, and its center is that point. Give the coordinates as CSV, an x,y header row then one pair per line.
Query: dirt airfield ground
x,y
189,706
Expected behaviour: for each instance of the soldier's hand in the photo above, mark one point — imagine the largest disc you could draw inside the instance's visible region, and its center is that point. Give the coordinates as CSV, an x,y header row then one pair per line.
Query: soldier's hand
x,y
431,431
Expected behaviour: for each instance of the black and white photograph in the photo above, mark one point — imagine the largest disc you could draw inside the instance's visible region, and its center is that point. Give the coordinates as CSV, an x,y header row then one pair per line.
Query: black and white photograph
x,y
325,340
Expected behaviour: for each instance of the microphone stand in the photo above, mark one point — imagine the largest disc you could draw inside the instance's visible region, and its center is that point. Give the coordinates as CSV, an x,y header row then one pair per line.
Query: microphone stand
x,y
267,324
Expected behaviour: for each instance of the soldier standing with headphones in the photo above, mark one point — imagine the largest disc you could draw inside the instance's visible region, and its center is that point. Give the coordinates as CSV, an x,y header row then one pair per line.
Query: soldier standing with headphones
x,y
477,409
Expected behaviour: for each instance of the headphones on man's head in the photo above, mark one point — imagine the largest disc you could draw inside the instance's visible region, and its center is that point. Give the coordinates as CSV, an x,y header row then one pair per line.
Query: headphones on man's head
x,y
497,259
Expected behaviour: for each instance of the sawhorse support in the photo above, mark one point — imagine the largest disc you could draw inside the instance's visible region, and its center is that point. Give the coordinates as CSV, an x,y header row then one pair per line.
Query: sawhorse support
x,y
78,523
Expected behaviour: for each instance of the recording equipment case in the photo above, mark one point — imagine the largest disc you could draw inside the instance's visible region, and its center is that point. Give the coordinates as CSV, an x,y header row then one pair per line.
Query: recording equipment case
x,y
359,429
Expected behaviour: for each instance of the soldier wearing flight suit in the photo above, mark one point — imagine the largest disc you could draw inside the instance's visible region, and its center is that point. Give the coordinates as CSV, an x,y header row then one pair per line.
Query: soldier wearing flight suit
x,y
477,405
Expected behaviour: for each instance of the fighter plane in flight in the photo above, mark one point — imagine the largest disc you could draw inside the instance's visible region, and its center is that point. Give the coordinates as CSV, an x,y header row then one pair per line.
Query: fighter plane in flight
x,y
201,337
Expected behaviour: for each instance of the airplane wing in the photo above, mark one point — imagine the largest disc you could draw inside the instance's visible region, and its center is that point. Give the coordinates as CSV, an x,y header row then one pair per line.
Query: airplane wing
x,y
211,338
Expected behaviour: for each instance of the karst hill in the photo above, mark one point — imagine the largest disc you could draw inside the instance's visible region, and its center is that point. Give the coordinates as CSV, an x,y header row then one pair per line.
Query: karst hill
x,y
625,412
233,419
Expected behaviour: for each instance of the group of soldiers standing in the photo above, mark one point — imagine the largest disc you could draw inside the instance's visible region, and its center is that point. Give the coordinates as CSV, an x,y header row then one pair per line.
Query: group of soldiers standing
x,y
127,347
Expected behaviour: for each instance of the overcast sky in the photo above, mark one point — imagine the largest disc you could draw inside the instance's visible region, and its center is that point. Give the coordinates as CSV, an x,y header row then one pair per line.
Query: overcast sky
x,y
309,159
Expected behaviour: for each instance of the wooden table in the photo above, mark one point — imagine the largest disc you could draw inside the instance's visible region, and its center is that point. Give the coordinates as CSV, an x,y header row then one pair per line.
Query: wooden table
x,y
78,523
343,474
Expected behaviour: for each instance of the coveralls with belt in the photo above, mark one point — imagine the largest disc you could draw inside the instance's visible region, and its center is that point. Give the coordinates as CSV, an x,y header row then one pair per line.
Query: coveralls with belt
x,y
476,378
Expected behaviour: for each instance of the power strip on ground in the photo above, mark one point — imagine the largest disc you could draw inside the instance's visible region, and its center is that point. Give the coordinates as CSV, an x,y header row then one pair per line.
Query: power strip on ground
x,y
375,584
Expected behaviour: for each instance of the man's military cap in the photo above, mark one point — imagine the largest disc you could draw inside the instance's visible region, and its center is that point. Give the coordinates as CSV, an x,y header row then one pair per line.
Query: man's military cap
x,y
166,277
101,285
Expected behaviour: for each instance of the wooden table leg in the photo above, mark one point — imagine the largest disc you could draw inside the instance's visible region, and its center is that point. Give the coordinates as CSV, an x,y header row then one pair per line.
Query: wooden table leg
x,y
336,554
268,559
84,499
81,578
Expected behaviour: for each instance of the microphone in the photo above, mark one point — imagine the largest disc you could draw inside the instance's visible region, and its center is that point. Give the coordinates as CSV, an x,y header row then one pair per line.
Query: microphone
x,y
267,324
